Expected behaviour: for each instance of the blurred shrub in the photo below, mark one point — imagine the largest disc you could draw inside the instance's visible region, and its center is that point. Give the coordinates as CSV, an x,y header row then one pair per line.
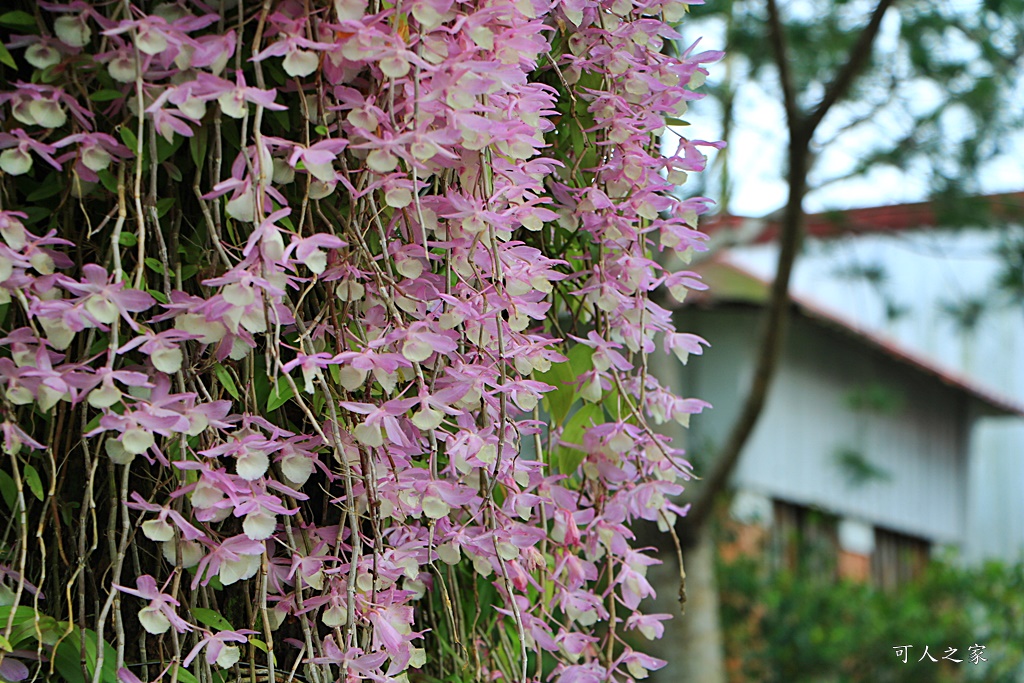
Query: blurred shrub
x,y
782,626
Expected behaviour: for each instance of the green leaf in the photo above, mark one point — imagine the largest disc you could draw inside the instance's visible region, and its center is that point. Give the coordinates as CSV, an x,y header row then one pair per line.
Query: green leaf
x,y
581,358
51,187
279,395
568,459
563,376
21,614
50,630
559,401
173,450
319,401
23,632
261,386
5,644
108,674
164,205
49,74
34,481
68,663
197,145
18,19
6,58
69,511
127,239
165,149
8,490
108,180
159,296
260,645
36,214
68,659
101,344
208,617
613,406
188,271
154,265
172,171
280,117
577,139
129,139
185,676
93,423
106,95
226,381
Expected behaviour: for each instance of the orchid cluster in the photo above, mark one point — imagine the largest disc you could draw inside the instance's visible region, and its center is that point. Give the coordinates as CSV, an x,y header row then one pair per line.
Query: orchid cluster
x,y
329,321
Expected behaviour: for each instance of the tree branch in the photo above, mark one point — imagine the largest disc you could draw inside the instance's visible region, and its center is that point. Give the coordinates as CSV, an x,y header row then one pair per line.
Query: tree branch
x,y
790,231
772,336
777,38
859,55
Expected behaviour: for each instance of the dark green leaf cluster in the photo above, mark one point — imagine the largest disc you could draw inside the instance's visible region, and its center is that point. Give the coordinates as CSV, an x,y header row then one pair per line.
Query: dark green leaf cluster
x,y
935,101
780,626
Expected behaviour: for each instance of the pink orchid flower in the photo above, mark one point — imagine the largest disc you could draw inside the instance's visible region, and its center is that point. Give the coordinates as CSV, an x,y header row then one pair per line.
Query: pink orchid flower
x,y
16,158
218,651
159,615
104,301
159,529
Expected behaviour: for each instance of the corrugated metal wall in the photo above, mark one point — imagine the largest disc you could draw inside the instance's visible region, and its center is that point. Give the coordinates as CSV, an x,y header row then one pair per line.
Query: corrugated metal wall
x,y
918,440
923,272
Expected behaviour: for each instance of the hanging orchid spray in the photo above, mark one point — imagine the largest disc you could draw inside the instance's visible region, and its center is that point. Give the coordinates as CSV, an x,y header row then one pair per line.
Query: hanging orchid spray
x,y
325,332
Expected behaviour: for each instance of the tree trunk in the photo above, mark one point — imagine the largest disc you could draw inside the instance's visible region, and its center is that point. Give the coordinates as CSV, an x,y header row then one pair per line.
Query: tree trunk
x,y
693,643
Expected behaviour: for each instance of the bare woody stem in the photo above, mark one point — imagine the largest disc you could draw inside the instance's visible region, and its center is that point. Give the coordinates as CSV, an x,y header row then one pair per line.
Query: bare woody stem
x,y
801,131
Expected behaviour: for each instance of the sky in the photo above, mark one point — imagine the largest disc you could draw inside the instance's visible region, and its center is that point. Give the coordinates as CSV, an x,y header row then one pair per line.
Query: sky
x,y
926,275
757,146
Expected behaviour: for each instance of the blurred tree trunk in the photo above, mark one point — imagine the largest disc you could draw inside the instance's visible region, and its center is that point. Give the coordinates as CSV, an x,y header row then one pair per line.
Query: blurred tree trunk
x,y
701,633
701,651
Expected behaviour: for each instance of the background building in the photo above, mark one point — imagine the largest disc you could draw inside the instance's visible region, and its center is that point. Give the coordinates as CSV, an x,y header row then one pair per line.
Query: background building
x,y
860,462
944,297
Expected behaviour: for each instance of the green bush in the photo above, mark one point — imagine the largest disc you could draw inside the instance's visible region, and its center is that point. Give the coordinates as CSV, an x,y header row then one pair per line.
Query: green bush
x,y
782,626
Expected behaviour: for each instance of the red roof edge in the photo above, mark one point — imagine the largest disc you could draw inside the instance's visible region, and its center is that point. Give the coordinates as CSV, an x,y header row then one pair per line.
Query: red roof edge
x,y
883,219
889,348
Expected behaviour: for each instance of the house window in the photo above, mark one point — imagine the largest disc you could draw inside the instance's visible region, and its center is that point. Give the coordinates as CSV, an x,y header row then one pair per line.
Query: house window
x,y
898,558
804,541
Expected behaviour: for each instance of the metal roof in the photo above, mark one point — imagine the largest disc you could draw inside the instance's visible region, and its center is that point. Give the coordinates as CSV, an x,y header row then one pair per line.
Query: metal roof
x,y
730,284
943,212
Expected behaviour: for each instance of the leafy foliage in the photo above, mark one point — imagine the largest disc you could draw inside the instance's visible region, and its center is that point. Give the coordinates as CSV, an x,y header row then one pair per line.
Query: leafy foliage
x,y
933,106
781,626
324,336
857,469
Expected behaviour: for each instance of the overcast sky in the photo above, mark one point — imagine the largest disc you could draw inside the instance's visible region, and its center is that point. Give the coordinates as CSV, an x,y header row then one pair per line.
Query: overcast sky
x,y
757,149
